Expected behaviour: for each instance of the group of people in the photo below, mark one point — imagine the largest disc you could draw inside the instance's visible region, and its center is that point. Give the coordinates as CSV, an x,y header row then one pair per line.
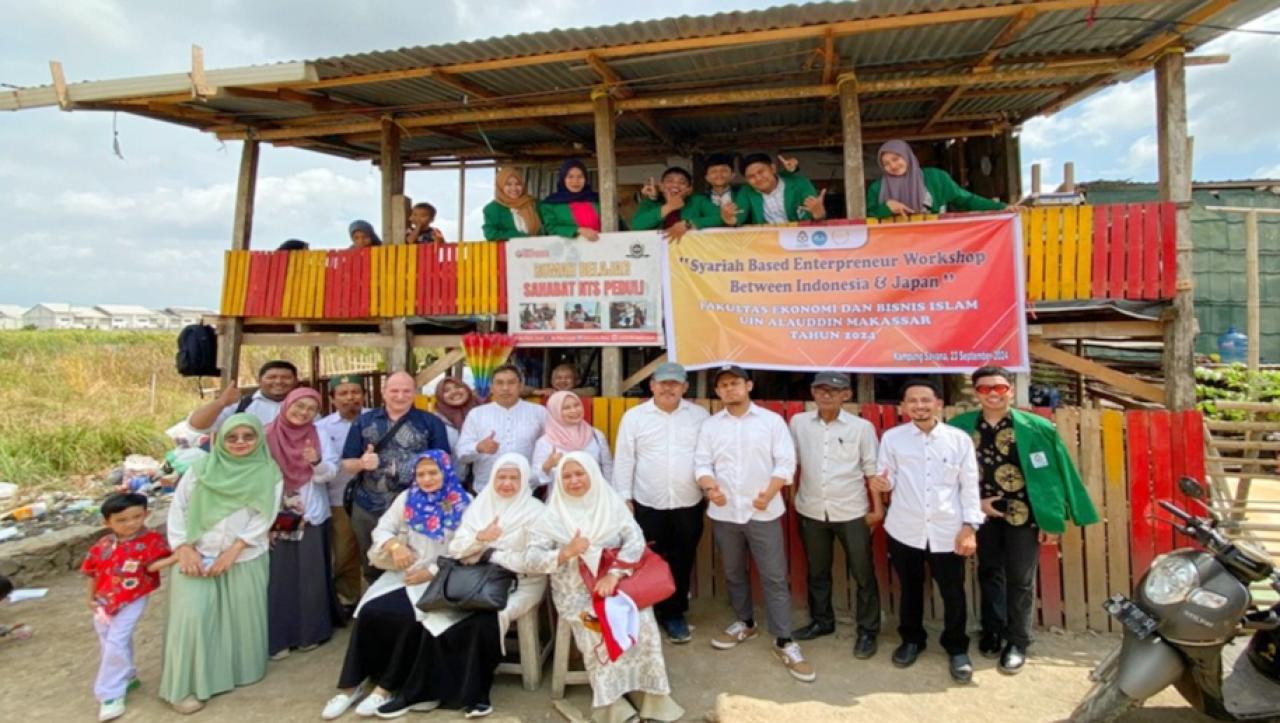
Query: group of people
x,y
293,522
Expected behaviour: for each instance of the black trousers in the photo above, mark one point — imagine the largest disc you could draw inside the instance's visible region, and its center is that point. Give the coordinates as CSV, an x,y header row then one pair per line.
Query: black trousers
x,y
1008,558
819,538
674,534
947,569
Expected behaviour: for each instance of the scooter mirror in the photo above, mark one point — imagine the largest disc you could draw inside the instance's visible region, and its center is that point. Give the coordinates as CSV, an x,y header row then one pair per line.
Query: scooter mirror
x,y
1191,488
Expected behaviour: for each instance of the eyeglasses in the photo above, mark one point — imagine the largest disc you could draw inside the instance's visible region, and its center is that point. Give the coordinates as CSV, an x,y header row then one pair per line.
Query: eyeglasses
x,y
993,388
246,437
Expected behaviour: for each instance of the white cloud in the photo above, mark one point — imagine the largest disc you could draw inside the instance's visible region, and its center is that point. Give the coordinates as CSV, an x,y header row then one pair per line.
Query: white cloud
x,y
1267,172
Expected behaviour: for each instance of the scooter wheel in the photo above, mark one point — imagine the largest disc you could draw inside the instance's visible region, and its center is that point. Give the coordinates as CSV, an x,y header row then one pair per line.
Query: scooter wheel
x,y
1104,703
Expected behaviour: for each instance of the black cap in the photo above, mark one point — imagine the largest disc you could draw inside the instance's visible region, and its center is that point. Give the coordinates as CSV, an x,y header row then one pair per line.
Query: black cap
x,y
733,369
835,380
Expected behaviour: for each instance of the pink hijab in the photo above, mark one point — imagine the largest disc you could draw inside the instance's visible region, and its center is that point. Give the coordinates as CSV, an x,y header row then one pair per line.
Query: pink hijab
x,y
564,437
286,441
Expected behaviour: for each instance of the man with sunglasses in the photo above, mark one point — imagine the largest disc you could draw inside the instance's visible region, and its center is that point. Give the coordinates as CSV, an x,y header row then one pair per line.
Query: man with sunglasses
x,y
1029,489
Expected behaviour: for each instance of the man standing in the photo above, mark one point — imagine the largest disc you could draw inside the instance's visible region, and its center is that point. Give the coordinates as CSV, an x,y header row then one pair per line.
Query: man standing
x,y
653,471
380,448
1029,489
930,468
346,397
275,380
837,453
506,424
743,460
767,198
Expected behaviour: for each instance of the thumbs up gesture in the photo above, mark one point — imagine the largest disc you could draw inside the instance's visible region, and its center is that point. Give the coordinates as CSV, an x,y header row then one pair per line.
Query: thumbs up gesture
x,y
552,460
650,189
230,394
577,545
761,502
309,454
488,445
789,163
369,460
729,213
813,205
675,203
490,533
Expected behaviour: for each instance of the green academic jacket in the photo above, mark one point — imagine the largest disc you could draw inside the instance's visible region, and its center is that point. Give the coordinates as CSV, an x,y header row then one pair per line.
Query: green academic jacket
x,y
698,210
1053,484
947,196
500,223
558,220
797,188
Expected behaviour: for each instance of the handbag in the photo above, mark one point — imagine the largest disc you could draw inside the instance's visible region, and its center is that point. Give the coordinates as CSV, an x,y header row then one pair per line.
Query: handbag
x,y
649,583
286,521
484,586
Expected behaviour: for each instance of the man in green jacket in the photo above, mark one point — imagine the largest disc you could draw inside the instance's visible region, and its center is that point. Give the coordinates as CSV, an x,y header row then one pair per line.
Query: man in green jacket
x,y
1030,488
677,210
768,198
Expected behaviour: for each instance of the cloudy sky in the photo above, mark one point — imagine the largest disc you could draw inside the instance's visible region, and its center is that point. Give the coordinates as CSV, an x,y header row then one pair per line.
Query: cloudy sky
x,y
86,227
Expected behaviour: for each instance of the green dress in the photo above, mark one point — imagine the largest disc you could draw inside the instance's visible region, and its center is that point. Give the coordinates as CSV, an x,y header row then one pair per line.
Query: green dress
x,y
500,223
947,196
698,211
558,220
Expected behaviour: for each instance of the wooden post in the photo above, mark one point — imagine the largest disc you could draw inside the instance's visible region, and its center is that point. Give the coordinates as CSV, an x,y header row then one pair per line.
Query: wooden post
x,y
462,199
1035,180
401,350
392,180
607,169
231,331
855,180
1252,297
1011,157
1069,177
1174,156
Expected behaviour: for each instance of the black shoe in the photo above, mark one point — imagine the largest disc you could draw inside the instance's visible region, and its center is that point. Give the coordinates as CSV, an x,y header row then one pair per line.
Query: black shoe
x,y
865,647
961,668
906,655
813,630
1012,660
990,645
398,706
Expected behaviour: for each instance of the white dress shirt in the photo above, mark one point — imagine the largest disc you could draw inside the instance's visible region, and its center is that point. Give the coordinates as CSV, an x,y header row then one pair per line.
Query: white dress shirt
x,y
743,454
264,409
244,524
654,461
934,477
517,430
835,460
775,203
597,447
333,429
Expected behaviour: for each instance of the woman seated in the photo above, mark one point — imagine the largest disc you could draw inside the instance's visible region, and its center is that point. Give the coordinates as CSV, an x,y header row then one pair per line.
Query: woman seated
x,y
362,234
411,534
216,637
584,517
906,188
512,213
574,209
567,431
458,653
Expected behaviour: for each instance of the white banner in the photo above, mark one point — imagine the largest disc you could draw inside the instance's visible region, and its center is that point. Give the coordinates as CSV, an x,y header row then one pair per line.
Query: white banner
x,y
574,292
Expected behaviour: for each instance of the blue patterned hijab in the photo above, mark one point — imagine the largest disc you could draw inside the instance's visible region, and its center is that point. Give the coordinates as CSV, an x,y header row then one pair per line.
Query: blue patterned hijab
x,y
437,513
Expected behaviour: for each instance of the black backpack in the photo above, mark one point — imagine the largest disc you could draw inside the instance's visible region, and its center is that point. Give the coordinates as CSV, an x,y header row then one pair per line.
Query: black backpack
x,y
198,351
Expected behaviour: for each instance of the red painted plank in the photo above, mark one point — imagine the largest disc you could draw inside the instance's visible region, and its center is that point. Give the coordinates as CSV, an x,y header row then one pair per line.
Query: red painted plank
x,y
1141,514
279,271
1150,251
1178,458
346,276
420,282
1133,251
502,279
1162,474
871,413
1168,250
1050,574
1117,248
1100,214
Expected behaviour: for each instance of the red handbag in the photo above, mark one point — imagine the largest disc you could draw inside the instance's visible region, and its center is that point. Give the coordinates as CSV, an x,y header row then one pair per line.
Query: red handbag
x,y
649,583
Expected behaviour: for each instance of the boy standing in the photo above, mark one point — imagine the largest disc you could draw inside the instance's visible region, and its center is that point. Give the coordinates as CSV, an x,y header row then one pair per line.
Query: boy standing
x,y
123,570
420,230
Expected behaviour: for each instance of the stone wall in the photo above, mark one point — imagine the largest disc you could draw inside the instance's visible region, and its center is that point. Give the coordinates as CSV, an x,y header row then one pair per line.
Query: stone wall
x,y
30,560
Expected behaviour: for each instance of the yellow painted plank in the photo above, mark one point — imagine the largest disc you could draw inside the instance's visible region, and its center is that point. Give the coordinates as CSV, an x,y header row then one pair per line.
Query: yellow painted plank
x,y
241,288
290,285
490,277
1095,536
600,414
617,407
319,260
224,307
1084,256
397,288
1070,251
1035,254
374,282
1053,254
1115,503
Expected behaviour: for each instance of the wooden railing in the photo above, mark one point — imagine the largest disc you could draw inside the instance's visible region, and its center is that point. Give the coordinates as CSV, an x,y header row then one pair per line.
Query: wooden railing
x,y
1120,251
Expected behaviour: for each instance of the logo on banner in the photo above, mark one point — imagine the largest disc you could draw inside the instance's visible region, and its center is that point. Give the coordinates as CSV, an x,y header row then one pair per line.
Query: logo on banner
x,y
843,237
637,252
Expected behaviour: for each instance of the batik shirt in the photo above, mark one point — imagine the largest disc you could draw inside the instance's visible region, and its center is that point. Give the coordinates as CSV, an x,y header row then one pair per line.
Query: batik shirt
x,y
1001,470
119,569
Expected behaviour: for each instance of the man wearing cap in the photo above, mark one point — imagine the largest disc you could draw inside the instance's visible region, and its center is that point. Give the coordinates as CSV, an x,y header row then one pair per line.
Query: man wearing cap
x,y
743,460
653,471
837,453
768,198
346,396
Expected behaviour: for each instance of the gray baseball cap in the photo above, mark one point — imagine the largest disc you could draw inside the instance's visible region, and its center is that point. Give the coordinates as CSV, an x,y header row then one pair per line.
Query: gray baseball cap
x,y
670,372
835,380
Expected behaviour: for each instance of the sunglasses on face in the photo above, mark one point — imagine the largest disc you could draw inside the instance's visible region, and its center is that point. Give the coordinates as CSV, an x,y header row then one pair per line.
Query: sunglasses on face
x,y
246,437
993,388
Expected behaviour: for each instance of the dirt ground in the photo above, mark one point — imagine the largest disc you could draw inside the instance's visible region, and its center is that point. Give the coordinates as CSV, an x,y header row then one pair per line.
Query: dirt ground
x,y
50,676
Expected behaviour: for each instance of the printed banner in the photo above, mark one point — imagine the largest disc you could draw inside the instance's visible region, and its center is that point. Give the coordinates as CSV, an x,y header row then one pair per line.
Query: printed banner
x,y
574,292
929,297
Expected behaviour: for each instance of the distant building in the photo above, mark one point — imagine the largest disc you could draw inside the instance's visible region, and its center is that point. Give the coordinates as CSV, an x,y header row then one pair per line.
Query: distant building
x,y
109,317
181,316
128,316
11,317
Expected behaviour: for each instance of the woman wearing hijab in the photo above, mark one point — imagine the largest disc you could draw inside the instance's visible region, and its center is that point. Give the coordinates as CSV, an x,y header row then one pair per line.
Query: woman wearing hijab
x,y
411,534
301,599
222,510
567,431
574,209
458,653
906,188
512,213
362,234
585,516
454,400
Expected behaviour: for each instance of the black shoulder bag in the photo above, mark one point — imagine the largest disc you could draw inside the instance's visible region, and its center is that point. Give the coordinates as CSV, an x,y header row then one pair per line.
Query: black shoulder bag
x,y
349,492
483,586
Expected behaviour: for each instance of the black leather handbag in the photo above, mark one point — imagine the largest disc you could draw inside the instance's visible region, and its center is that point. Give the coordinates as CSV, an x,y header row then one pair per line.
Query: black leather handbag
x,y
484,586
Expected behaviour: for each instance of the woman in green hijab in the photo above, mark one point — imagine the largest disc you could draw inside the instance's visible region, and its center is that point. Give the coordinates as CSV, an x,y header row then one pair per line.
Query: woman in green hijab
x,y
219,520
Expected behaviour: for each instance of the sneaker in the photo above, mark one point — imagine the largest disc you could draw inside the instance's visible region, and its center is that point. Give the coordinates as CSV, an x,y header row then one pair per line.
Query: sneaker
x,y
397,706
134,684
308,648
797,666
188,705
733,635
339,703
368,707
479,711
111,709
280,655
677,630
990,645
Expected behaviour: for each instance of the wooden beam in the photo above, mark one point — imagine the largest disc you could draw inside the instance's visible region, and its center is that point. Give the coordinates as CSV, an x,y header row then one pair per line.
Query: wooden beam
x,y
607,168
830,62
59,85
1169,38
1130,329
618,88
246,187
1010,31
1173,153
1046,351
392,179
440,366
327,339
200,87
644,373
855,201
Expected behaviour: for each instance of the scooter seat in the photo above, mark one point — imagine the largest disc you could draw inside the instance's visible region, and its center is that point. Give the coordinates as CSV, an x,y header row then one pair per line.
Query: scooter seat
x,y
1248,694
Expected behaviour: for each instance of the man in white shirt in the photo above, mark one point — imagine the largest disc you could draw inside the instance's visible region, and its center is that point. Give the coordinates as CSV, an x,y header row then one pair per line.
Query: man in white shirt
x,y
837,453
346,398
653,471
506,424
743,460
932,471
275,380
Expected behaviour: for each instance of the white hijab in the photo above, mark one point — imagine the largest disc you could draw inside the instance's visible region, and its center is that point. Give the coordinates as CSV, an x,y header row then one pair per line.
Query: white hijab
x,y
514,514
600,514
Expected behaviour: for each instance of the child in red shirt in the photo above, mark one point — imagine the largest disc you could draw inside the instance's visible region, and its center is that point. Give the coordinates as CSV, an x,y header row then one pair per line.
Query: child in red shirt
x,y
123,569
